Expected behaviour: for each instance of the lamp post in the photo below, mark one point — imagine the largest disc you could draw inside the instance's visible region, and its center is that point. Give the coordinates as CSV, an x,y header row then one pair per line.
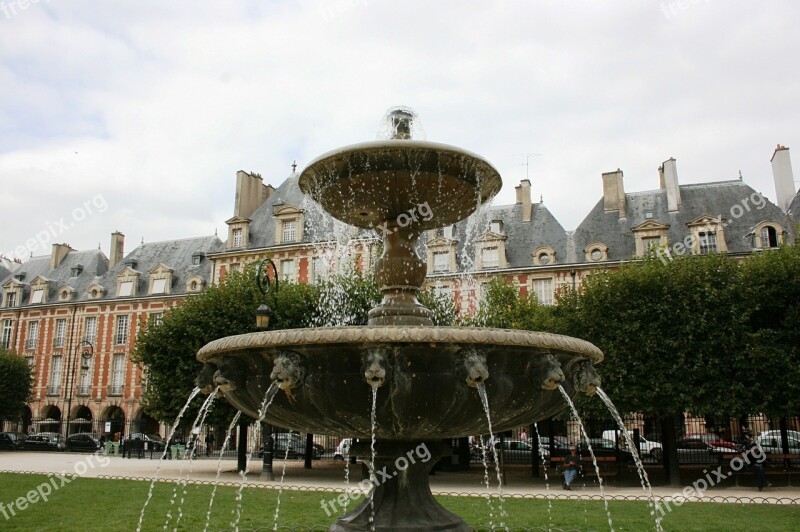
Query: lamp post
x,y
87,351
263,316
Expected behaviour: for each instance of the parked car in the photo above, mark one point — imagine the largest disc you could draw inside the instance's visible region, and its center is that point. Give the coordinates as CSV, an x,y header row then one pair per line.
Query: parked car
x,y
714,441
83,441
153,441
12,441
697,450
44,441
343,449
772,443
653,449
518,451
601,447
296,445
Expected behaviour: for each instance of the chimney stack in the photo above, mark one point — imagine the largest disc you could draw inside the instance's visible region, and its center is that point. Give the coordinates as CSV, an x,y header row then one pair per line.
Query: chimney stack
x,y
524,198
117,249
614,192
58,254
668,175
783,177
251,192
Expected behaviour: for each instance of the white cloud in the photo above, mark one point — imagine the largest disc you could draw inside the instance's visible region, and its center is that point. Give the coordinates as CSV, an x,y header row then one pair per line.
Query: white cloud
x,y
157,105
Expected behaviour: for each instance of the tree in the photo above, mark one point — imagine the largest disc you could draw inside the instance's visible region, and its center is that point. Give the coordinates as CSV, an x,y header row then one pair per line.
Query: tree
x,y
503,306
16,381
168,351
442,307
345,299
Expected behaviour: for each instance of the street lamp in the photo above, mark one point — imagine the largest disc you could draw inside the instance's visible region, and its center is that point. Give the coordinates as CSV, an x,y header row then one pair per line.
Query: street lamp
x,y
263,315
87,351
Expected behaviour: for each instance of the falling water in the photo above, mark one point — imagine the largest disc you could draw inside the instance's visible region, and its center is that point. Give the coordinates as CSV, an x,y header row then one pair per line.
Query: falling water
x,y
632,447
270,394
591,452
198,422
234,421
546,479
280,487
501,502
486,483
164,454
372,463
346,479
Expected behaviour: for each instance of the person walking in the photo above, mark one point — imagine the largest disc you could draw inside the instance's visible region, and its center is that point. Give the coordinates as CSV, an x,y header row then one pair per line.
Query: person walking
x,y
572,465
760,464
209,442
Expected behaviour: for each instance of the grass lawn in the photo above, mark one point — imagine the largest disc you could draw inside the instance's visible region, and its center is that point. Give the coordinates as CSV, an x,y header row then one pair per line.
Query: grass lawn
x,y
98,504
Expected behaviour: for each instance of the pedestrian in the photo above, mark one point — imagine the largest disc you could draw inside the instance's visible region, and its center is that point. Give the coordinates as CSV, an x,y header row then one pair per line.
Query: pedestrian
x,y
523,435
209,442
760,464
572,465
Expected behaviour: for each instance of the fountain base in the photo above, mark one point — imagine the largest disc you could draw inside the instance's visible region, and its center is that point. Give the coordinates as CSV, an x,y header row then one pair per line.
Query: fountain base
x,y
402,493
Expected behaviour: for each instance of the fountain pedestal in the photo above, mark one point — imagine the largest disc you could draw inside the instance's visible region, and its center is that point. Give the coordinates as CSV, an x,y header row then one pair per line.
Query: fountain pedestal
x,y
403,499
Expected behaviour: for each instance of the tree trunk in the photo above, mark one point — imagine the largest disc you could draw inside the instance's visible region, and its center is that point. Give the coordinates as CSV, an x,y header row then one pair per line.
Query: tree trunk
x,y
241,448
669,442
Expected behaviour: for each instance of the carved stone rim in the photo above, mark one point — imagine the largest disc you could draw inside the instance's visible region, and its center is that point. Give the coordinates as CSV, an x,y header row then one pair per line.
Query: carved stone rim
x,y
372,334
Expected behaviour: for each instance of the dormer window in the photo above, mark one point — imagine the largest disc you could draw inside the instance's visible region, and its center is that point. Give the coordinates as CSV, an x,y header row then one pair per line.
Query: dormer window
x,y
159,286
125,289
76,271
11,299
95,291
289,231
131,264
237,238
66,293
767,235
37,296
596,252
708,242
289,223
649,234
160,279
194,283
496,227
489,257
444,232
707,235
544,256
441,262
197,258
648,215
19,277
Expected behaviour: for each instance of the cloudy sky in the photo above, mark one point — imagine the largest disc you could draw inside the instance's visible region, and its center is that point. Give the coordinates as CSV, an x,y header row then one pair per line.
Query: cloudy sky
x,y
135,116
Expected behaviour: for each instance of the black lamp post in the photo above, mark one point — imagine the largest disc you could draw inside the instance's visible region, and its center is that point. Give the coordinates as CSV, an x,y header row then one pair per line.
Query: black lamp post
x,y
87,351
263,316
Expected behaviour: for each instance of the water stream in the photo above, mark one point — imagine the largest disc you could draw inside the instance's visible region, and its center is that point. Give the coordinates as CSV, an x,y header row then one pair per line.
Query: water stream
x,y
280,487
163,455
225,442
269,395
372,463
591,452
191,447
635,452
489,502
546,479
501,501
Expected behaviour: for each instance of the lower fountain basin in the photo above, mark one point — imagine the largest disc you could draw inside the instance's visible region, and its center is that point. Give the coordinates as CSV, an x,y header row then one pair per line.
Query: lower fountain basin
x,y
427,378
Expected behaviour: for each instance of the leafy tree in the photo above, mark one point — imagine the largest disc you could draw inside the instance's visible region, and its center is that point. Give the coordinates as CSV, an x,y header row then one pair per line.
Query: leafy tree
x,y
16,381
168,351
442,306
345,299
503,306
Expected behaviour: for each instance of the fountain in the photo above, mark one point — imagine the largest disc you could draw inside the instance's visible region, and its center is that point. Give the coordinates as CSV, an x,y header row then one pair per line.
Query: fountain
x,y
426,378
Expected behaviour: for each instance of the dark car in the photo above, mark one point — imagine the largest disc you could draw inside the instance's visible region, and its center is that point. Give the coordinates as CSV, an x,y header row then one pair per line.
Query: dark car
x,y
44,441
12,441
519,452
698,450
153,441
296,445
83,441
601,447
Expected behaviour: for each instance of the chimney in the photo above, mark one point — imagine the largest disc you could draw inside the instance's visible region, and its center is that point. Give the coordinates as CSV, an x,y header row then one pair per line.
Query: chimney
x,y
58,254
784,179
251,192
614,192
668,176
524,198
117,251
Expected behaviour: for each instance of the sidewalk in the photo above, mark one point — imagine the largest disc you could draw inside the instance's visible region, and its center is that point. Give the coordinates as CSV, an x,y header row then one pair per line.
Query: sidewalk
x,y
330,475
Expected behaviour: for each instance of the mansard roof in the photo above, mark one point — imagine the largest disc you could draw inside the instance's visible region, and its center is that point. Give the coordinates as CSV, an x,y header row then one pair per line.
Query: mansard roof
x,y
732,200
93,262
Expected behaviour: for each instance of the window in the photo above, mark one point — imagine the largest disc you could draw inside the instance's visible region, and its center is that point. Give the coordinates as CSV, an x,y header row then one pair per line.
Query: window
x,y
442,290
489,257
121,333
708,242
37,296
445,232
159,286
319,270
237,238
197,258
543,288
11,299
651,242
76,271
544,258
55,375
496,226
117,374
769,237
441,262
85,384
125,289
60,333
287,270
597,254
158,318
193,286
289,231
648,215
33,335
5,341
90,329
235,267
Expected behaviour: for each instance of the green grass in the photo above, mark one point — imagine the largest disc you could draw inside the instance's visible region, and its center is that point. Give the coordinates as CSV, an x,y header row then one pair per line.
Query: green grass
x,y
98,504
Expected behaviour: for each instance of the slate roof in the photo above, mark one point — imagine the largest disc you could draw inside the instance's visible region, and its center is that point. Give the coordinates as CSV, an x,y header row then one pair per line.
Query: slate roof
x,y
712,199
262,225
794,207
176,254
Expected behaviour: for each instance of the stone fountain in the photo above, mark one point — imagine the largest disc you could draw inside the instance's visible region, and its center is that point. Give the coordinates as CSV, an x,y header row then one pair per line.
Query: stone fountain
x,y
426,377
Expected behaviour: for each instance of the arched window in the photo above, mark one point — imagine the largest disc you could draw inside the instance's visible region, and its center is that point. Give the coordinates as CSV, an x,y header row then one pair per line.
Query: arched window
x,y
769,237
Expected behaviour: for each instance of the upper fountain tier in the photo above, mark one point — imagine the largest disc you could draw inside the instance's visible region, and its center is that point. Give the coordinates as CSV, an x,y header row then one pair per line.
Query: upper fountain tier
x,y
387,181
